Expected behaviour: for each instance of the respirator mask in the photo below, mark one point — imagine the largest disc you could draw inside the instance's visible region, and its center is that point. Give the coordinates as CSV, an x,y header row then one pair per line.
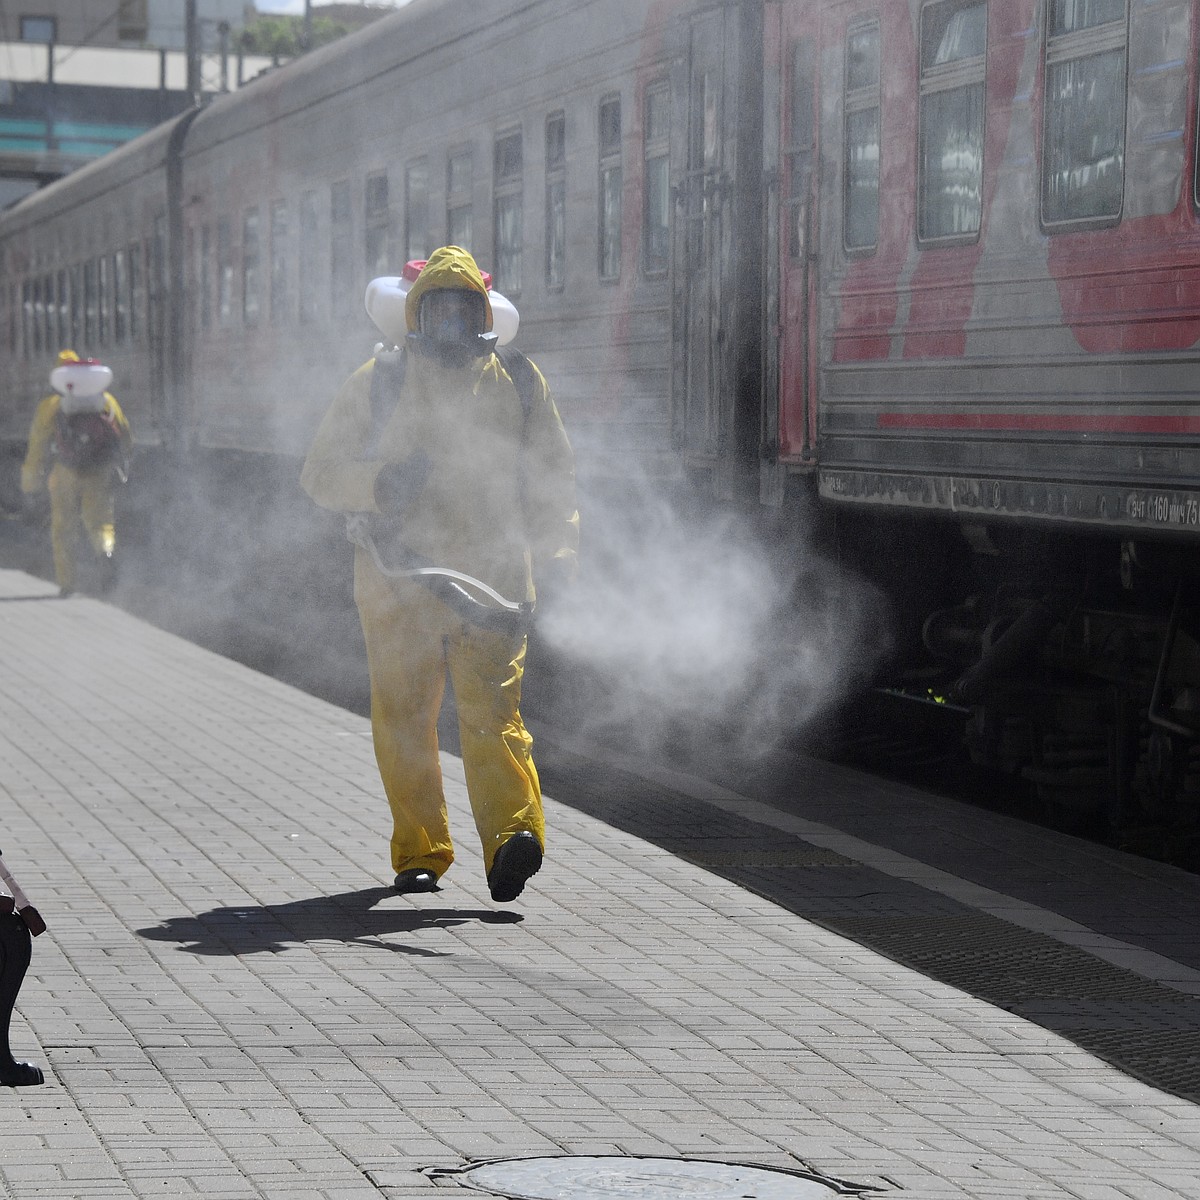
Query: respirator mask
x,y
451,327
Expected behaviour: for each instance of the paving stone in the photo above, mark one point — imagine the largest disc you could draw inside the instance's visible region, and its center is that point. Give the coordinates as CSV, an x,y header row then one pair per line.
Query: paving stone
x,y
231,1002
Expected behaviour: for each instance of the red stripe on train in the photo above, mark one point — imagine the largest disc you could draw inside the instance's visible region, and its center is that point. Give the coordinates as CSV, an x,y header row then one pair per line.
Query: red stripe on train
x,y
1042,422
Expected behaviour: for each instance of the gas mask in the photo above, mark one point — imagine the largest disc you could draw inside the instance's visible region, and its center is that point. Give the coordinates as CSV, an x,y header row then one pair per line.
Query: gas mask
x,y
451,329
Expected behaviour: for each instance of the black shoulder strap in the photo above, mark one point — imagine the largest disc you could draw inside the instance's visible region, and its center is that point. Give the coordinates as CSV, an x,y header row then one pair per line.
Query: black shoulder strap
x,y
520,371
386,381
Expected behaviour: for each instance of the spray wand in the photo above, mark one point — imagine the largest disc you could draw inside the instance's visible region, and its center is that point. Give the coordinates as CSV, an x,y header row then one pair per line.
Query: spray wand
x,y
454,588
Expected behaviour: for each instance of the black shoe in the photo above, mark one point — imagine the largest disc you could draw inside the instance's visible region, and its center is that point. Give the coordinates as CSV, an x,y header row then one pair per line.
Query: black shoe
x,y
418,879
515,861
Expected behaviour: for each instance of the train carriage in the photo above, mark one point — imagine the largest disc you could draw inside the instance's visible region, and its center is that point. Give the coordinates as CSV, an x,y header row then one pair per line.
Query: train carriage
x,y
984,293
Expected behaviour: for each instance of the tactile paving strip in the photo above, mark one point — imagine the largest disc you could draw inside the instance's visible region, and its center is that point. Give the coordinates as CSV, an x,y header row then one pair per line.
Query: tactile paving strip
x,y
1142,1027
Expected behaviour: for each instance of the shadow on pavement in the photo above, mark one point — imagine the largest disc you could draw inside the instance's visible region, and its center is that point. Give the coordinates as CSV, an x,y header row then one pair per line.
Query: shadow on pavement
x,y
346,917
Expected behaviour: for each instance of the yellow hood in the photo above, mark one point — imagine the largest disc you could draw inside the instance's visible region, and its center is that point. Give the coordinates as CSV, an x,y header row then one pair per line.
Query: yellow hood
x,y
450,267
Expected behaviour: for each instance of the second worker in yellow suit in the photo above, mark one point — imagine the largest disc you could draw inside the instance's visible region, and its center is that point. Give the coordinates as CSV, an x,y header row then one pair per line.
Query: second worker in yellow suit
x,y
79,493
466,479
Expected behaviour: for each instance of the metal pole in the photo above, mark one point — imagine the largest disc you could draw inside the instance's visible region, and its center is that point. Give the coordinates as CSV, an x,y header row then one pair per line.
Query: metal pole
x,y
223,32
192,49
306,40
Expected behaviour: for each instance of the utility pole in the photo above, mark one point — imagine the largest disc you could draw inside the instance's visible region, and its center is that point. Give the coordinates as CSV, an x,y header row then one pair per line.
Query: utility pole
x,y
223,32
306,39
192,50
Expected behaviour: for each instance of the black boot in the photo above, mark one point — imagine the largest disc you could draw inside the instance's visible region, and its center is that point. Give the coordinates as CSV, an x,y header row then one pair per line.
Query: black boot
x,y
515,861
417,879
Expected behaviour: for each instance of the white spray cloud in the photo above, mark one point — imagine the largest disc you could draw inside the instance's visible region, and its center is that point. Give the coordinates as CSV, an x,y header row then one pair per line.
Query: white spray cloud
x,y
687,623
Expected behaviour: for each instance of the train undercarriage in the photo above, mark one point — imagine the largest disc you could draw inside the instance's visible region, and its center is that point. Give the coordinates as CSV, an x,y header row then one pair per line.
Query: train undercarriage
x,y
1075,662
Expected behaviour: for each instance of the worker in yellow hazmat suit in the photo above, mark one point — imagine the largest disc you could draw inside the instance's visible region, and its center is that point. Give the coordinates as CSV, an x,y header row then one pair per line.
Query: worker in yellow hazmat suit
x,y
79,456
456,468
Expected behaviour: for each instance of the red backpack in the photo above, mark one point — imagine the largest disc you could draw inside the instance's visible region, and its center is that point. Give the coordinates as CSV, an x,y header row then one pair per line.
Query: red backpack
x,y
86,439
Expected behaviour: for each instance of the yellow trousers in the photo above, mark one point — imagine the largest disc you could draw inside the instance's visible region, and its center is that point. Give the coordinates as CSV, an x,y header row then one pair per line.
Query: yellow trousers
x,y
412,639
76,496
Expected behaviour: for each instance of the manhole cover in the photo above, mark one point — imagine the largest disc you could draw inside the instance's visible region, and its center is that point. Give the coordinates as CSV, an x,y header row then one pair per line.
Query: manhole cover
x,y
582,1178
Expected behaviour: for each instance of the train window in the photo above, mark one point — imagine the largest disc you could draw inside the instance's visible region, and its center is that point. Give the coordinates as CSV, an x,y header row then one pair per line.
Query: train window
x,y
251,269
801,139
137,289
56,312
610,188
508,213
556,200
279,249
309,264
27,318
204,277
416,211
104,299
705,145
89,303
860,174
224,273
656,199
376,232
121,292
33,322
77,306
1083,140
459,183
158,280
341,238
39,319
49,308
953,65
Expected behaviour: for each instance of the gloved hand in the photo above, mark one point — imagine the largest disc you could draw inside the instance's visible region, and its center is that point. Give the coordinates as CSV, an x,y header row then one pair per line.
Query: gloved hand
x,y
555,575
398,484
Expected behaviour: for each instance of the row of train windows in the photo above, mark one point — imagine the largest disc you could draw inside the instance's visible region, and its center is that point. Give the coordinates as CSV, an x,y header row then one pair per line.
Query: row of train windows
x,y
1083,135
104,304
110,300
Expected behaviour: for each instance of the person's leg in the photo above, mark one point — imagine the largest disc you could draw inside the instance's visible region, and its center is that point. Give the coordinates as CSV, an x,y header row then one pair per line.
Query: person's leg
x,y
406,662
64,523
99,508
98,504
502,782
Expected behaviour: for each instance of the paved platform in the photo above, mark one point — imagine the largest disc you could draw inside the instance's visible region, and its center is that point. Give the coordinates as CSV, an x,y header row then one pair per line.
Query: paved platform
x,y
230,1003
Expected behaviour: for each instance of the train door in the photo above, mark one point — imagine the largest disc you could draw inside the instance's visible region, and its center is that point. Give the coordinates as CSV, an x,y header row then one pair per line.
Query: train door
x,y
790,156
702,251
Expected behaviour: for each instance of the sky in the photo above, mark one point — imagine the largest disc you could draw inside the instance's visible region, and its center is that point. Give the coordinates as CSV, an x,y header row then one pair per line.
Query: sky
x,y
296,7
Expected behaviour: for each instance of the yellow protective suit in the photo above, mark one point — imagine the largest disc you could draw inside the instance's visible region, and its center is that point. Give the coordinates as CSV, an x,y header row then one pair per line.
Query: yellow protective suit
x,y
499,496
87,495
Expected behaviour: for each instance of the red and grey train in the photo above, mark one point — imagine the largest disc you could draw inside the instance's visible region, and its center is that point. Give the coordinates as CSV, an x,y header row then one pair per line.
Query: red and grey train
x,y
918,279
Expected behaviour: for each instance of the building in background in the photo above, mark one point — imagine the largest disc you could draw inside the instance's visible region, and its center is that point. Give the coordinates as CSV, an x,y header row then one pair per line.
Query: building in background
x,y
116,24
81,77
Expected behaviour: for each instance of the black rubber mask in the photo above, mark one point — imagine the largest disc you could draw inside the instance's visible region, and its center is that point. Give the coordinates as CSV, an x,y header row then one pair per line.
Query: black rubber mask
x,y
451,332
